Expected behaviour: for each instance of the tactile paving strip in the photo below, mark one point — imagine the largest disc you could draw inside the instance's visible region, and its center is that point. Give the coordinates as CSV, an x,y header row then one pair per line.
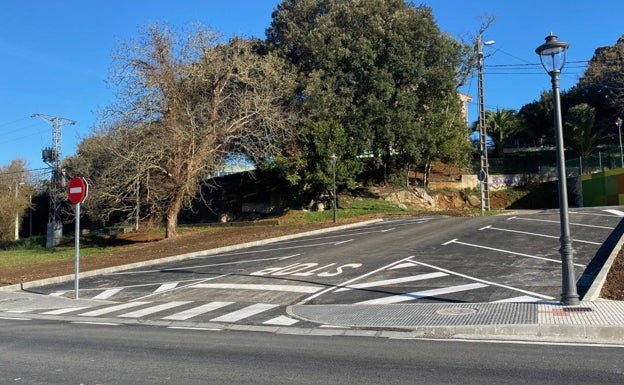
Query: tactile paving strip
x,y
414,315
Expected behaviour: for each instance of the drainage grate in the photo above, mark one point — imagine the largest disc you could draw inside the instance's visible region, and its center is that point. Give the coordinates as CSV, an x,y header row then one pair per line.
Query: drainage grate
x,y
576,309
456,311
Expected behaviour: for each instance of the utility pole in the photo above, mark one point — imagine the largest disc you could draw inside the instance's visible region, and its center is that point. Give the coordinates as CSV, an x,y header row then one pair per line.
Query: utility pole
x,y
52,157
483,172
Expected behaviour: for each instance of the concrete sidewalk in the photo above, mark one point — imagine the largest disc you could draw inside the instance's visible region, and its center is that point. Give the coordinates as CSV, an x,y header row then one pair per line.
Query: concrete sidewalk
x,y
599,320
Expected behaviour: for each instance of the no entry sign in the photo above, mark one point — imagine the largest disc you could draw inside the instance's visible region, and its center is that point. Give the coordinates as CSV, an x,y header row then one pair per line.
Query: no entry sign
x,y
77,190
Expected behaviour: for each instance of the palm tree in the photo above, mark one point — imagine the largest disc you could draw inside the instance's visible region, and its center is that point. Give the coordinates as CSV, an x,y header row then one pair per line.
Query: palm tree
x,y
501,124
581,133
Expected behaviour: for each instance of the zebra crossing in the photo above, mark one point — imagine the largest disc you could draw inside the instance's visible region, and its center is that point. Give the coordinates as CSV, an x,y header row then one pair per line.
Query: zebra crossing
x,y
216,311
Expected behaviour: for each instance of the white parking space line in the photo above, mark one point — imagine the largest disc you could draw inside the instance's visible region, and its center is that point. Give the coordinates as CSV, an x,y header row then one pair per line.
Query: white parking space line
x,y
393,281
248,286
57,293
154,309
595,214
489,283
108,293
111,309
422,294
522,298
244,312
489,227
65,310
506,251
166,287
557,222
190,313
281,321
616,212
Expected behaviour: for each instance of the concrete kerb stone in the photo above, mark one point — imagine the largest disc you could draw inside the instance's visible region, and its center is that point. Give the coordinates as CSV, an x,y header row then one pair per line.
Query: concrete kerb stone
x,y
593,293
180,257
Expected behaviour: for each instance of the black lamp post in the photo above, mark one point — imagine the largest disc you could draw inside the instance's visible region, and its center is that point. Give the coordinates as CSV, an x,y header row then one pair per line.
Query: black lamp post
x,y
333,162
552,54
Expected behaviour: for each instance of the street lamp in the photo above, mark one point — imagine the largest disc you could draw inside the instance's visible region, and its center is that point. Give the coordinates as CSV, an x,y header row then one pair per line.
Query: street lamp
x,y
483,173
618,123
552,55
333,162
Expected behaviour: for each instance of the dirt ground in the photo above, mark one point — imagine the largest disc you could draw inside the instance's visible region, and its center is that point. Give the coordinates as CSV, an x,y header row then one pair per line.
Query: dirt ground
x,y
136,247
147,246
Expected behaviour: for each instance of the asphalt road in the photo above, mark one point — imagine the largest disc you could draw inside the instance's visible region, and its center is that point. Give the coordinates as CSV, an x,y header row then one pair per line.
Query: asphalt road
x,y
403,260
46,352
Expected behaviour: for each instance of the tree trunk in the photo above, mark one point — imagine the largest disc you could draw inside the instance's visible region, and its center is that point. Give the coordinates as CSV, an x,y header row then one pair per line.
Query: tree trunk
x,y
172,216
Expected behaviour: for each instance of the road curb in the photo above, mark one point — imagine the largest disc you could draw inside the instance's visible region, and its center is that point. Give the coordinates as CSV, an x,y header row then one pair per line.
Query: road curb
x,y
113,269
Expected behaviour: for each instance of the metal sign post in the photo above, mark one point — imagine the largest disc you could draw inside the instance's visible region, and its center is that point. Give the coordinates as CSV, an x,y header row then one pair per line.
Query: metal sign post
x,y
77,192
77,253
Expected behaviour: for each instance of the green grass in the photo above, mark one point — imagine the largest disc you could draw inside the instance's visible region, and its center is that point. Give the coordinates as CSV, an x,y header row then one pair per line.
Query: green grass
x,y
33,251
349,207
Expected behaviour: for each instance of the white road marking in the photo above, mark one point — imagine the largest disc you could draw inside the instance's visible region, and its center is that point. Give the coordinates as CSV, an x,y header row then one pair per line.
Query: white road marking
x,y
341,235
108,293
522,298
557,222
244,312
489,227
506,251
57,294
402,266
489,283
182,287
353,280
194,328
288,248
190,313
281,321
16,319
65,310
247,286
594,214
154,309
393,281
111,309
616,212
421,294
174,269
166,287
96,323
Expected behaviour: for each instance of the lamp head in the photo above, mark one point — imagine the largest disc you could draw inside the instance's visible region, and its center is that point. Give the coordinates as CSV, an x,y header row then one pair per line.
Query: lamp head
x,y
552,54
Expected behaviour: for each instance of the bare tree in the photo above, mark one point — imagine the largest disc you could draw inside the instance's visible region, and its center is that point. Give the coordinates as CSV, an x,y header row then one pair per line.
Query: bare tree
x,y
186,103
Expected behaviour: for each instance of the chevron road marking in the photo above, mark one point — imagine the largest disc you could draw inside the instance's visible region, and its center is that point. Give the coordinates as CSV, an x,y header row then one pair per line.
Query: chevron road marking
x,y
393,281
421,294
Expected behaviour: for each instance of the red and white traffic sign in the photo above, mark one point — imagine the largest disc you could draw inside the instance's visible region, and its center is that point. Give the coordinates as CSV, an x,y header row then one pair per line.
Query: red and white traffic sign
x,y
77,190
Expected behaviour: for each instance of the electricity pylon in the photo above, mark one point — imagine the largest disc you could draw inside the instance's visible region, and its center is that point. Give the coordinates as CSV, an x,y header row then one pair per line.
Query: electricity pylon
x,y
52,157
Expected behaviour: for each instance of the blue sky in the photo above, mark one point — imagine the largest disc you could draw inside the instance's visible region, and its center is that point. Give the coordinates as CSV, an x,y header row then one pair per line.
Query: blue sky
x,y
57,54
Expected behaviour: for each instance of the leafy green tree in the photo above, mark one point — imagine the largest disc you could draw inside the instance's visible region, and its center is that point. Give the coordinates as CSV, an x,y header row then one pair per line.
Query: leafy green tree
x,y
536,119
602,84
380,68
15,189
